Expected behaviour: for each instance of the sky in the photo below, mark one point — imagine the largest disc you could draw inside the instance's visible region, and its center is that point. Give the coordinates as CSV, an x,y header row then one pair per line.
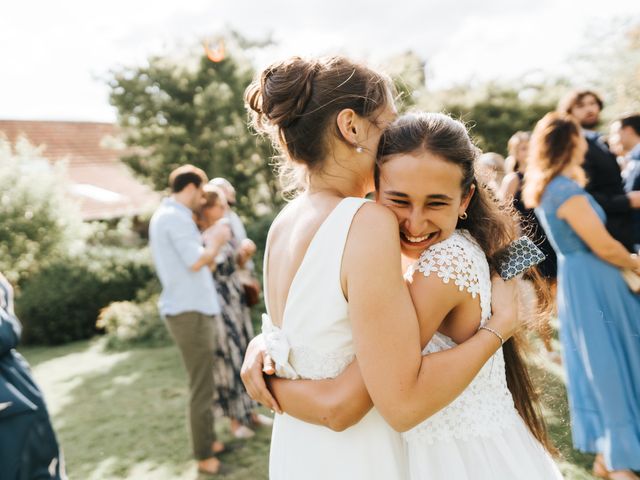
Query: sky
x,y
56,56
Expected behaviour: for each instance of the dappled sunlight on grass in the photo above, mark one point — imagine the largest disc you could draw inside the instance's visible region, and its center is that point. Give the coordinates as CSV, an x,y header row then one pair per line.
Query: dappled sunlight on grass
x,y
122,415
550,379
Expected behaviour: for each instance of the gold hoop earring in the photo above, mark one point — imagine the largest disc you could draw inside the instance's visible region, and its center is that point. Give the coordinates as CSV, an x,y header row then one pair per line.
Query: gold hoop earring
x,y
464,216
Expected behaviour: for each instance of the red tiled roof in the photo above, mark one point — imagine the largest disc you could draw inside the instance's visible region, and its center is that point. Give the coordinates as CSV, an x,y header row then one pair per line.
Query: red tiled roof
x,y
93,159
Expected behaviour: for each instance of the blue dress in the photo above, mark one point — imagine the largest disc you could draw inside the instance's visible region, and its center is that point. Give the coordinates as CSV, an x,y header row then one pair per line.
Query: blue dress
x,y
600,334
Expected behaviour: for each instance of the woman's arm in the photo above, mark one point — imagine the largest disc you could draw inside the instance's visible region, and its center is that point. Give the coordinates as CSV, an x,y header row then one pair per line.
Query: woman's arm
x,y
214,238
245,251
405,387
408,388
336,403
583,219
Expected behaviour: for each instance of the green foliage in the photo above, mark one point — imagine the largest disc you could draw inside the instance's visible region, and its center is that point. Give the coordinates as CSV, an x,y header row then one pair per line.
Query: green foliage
x,y
494,112
37,221
61,302
129,324
187,109
408,74
609,62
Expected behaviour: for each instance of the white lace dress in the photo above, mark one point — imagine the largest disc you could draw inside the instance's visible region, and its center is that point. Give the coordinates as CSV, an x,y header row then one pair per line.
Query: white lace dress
x,y
480,435
316,342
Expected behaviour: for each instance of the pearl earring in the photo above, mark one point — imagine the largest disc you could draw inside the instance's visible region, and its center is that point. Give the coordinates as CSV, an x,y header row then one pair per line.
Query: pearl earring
x,y
359,149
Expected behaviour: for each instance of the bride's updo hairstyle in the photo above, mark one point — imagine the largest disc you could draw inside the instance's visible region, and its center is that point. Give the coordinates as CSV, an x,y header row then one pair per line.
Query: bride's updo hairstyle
x,y
296,102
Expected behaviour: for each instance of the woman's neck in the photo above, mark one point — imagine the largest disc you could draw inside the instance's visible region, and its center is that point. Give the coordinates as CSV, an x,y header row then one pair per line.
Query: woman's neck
x,y
338,181
568,171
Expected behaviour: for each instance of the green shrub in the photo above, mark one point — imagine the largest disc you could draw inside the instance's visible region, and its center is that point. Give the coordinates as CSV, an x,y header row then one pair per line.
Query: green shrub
x,y
61,302
38,222
130,324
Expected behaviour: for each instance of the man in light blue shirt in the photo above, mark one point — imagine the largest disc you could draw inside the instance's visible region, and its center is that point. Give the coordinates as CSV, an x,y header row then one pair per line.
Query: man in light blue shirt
x,y
188,301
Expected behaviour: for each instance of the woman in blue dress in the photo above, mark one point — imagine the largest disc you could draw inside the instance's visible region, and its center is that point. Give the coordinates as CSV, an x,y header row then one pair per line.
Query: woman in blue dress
x,y
599,315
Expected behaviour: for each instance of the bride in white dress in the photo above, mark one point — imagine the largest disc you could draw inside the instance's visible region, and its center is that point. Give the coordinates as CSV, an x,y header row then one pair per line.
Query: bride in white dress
x,y
332,296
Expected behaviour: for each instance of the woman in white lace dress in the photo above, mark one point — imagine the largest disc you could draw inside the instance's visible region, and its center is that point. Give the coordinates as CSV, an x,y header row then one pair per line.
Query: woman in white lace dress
x,y
449,229
331,296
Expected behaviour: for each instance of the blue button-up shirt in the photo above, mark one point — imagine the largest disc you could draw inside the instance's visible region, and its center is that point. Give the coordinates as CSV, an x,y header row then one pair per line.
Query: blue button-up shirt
x,y
176,245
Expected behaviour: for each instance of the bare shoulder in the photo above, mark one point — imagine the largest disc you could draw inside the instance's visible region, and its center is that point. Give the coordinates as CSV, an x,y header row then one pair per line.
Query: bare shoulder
x,y
575,205
374,238
374,217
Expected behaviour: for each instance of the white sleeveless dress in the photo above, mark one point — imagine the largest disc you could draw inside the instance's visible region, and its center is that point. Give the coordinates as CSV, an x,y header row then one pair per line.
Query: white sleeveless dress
x,y
480,435
316,342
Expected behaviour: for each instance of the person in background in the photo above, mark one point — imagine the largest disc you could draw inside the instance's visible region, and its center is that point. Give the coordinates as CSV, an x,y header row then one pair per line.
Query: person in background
x,y
234,324
245,247
628,132
511,193
188,301
615,145
491,170
28,446
604,180
598,314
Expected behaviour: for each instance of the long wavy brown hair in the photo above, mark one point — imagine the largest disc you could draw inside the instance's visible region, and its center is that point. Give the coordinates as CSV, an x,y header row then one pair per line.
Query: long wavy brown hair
x,y
554,146
492,224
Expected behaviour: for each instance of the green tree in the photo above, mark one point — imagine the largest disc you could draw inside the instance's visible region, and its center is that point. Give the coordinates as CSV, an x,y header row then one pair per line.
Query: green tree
x,y
188,109
407,71
610,62
492,111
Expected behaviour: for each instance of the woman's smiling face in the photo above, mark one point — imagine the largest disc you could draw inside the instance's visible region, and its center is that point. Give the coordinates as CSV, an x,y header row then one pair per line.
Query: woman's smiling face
x,y
425,193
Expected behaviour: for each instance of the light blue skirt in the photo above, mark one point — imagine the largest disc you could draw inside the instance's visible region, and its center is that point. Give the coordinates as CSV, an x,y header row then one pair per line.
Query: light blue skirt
x,y
600,334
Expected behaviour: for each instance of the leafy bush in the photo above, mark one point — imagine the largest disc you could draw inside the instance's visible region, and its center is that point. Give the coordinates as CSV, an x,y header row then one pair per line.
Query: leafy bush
x,y
130,324
61,302
38,221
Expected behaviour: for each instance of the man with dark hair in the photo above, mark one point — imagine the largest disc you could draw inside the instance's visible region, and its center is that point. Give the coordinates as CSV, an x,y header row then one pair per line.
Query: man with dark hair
x,y
188,301
604,181
627,131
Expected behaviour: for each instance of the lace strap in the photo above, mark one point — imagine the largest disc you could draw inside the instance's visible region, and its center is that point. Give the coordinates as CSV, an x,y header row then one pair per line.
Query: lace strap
x,y
461,260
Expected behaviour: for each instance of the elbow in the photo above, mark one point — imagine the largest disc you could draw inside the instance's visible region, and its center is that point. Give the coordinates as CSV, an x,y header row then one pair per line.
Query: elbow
x,y
400,425
338,425
402,420
337,419
340,416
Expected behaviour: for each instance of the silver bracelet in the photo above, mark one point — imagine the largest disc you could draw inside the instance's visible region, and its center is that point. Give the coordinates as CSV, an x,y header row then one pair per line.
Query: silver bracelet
x,y
489,329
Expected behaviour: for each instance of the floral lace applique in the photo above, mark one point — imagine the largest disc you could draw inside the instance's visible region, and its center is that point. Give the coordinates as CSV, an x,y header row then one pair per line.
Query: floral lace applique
x,y
460,259
486,405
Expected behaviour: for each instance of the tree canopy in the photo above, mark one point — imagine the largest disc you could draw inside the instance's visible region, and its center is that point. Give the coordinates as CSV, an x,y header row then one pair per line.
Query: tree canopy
x,y
189,109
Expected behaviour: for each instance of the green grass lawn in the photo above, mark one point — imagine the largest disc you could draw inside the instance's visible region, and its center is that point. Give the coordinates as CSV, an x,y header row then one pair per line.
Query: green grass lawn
x,y
122,415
